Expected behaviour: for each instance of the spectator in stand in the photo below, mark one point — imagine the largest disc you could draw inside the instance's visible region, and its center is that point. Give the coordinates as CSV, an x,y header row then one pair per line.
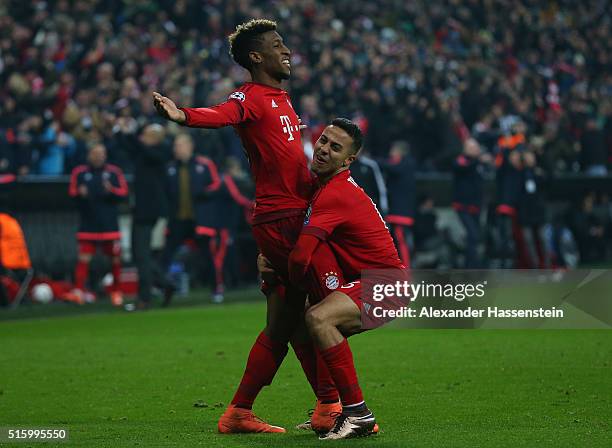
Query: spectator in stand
x,y
191,182
468,179
399,170
57,146
97,188
424,74
149,155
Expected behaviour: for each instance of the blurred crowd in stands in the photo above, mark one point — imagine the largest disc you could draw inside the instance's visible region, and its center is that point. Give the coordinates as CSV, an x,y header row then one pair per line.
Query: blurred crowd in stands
x,y
519,91
431,73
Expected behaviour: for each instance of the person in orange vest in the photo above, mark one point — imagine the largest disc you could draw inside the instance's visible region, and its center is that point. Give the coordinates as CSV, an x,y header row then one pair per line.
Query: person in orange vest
x,y
14,253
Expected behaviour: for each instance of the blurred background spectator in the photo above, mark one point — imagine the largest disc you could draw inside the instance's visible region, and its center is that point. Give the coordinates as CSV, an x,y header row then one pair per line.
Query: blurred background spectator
x,y
149,155
468,197
97,187
399,170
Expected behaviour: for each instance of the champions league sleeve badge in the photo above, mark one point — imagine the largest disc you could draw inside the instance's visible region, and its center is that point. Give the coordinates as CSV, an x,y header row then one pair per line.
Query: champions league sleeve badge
x,y
307,217
240,96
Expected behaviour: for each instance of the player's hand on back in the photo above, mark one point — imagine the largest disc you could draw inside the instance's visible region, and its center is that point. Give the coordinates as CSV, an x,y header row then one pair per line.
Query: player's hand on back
x,y
167,109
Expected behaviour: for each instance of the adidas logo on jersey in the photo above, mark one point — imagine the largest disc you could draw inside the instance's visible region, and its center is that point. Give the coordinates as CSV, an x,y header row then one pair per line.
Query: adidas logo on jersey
x,y
274,105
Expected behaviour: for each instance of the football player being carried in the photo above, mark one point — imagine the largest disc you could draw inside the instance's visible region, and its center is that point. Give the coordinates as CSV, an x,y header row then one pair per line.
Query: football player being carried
x,y
342,215
264,118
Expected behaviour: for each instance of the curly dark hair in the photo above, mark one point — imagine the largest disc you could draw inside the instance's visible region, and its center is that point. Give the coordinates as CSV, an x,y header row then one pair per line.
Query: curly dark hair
x,y
247,38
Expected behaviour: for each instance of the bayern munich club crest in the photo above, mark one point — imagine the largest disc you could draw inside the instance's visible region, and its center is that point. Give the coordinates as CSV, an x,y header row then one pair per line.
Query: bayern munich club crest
x,y
331,280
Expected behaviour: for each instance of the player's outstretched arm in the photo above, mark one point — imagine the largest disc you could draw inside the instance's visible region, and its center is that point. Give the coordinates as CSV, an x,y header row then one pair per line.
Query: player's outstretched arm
x,y
167,109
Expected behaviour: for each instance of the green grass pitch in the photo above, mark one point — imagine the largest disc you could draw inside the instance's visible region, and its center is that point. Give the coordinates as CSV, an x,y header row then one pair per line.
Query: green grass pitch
x,y
163,377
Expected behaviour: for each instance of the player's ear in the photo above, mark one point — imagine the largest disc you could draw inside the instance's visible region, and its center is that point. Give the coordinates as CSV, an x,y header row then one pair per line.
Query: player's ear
x,y
349,160
255,57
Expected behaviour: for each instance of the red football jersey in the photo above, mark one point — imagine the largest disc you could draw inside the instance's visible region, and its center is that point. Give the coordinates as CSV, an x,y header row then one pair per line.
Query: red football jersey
x,y
342,214
269,128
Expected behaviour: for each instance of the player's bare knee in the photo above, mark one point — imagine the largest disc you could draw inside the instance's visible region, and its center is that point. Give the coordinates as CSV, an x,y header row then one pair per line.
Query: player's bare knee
x,y
315,318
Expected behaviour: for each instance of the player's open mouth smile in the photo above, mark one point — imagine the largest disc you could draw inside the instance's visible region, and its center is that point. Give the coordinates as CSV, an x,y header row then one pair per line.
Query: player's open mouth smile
x,y
286,62
320,160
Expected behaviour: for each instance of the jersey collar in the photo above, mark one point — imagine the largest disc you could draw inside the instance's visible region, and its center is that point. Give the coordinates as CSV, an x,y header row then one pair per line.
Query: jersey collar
x,y
265,86
342,175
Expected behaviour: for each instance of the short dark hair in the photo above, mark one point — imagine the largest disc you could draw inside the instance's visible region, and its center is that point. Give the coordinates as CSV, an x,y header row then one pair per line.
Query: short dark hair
x,y
247,38
352,130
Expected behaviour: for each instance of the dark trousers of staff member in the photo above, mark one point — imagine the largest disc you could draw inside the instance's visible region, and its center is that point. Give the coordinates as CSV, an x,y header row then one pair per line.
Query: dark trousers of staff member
x,y
183,226
149,272
471,225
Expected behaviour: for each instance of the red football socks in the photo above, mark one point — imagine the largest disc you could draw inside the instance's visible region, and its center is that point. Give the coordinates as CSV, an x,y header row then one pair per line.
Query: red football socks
x,y
306,355
80,274
339,361
116,271
264,360
326,388
316,372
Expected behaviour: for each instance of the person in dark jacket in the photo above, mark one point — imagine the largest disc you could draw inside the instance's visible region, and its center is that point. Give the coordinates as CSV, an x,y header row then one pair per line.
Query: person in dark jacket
x,y
593,151
590,223
191,182
532,216
232,206
149,155
509,181
368,175
399,170
468,170
98,187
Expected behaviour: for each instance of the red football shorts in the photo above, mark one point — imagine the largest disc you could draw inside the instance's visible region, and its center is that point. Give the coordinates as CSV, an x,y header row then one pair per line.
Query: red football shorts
x,y
276,240
353,290
373,314
109,248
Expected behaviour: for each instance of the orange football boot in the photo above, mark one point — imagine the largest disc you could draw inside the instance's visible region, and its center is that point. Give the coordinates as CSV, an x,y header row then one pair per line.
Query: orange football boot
x,y
321,419
238,420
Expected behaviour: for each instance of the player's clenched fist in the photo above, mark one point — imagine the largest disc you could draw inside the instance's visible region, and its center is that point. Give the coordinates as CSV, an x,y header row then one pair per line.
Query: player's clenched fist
x,y
167,109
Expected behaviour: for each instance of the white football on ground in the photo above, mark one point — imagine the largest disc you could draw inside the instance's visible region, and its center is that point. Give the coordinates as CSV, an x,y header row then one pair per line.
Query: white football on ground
x,y
42,293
